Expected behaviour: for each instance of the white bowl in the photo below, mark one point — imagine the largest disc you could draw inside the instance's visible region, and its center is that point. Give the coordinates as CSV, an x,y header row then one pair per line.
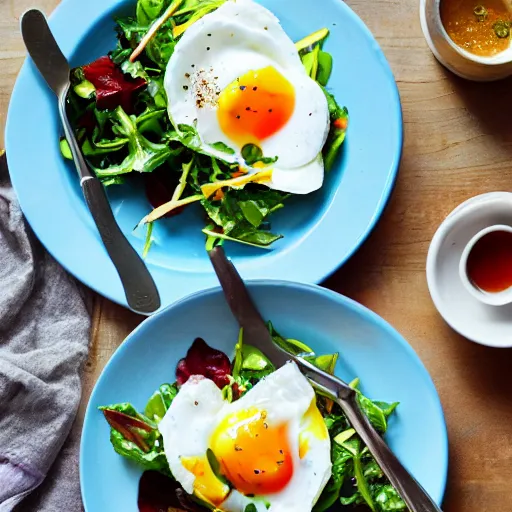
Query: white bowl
x,y
492,298
456,59
470,317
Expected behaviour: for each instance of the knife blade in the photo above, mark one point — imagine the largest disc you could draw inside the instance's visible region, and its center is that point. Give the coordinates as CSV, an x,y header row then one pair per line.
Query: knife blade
x,y
243,308
139,287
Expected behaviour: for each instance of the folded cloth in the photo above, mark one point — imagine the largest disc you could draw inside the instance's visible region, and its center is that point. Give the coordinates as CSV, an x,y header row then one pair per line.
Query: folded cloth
x,y
44,334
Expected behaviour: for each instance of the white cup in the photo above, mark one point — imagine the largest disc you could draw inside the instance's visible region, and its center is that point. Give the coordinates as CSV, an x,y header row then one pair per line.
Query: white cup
x,y
455,58
491,298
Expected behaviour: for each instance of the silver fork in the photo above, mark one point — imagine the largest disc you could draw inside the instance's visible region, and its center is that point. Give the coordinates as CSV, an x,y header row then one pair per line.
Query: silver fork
x,y
257,335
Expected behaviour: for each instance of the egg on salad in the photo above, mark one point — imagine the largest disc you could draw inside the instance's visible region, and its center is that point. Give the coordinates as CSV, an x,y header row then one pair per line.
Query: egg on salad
x,y
237,79
270,448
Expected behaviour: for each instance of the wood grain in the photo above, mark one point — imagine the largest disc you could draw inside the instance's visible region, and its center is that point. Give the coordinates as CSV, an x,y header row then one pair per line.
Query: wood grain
x,y
458,143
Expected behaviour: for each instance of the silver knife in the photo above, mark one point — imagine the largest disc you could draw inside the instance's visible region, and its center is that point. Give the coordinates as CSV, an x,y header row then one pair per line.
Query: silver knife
x,y
140,289
257,335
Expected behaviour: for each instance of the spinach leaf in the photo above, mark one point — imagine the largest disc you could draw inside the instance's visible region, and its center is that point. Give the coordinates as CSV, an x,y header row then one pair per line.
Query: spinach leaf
x,y
148,11
160,402
154,459
223,148
253,154
241,213
339,122
136,437
324,67
386,408
340,469
387,498
250,364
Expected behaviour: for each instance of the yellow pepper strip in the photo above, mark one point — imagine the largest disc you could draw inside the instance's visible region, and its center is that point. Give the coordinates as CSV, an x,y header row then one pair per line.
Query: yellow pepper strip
x,y
312,39
259,177
169,207
155,28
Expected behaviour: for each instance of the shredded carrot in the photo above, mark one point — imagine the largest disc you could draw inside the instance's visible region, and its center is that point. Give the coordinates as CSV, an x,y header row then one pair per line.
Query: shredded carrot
x,y
237,174
219,195
341,123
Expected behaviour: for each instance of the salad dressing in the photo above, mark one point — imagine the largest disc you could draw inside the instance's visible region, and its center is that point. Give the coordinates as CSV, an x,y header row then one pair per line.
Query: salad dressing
x,y
489,264
481,27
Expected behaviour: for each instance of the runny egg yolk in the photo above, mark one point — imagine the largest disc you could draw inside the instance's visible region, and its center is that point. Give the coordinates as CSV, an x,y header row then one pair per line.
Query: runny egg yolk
x,y
312,424
206,485
255,106
254,456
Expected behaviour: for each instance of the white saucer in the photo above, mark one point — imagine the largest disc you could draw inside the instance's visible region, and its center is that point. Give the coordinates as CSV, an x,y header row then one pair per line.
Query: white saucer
x,y
487,325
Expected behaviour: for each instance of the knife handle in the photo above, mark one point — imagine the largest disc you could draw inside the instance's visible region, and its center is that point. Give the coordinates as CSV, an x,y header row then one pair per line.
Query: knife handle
x,y
139,287
415,497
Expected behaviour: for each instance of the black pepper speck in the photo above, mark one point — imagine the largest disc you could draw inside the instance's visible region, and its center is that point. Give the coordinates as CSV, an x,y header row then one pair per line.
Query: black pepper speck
x,y
247,108
185,87
254,88
207,48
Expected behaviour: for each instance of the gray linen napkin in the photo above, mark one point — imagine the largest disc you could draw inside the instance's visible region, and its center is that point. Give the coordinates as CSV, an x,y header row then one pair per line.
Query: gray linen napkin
x,y
44,334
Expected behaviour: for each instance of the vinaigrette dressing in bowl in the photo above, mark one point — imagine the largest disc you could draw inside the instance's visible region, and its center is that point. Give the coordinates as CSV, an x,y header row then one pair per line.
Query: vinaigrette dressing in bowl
x,y
470,37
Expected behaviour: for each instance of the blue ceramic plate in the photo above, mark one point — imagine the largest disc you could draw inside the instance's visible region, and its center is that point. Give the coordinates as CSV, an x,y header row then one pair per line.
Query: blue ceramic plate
x,y
369,348
332,222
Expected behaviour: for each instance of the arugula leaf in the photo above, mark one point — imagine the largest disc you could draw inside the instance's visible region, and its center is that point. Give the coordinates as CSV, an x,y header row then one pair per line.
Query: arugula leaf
x,y
131,29
192,11
143,155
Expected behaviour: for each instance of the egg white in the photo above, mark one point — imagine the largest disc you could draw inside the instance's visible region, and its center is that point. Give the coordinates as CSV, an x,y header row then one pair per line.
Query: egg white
x,y
238,37
285,395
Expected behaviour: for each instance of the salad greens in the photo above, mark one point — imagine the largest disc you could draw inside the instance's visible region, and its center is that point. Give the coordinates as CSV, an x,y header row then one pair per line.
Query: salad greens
x,y
356,478
118,107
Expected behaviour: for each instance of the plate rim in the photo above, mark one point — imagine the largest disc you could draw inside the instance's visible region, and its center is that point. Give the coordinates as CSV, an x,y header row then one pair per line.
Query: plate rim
x,y
269,283
316,273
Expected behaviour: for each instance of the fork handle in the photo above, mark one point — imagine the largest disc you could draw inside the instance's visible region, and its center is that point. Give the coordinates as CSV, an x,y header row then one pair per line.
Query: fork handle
x,y
415,497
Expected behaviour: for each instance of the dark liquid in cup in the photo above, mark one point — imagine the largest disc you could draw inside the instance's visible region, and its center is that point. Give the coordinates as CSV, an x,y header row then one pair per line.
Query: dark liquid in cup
x,y
489,264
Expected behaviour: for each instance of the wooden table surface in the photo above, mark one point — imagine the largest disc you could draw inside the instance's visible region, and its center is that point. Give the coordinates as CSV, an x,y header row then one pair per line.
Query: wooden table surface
x,y
458,143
